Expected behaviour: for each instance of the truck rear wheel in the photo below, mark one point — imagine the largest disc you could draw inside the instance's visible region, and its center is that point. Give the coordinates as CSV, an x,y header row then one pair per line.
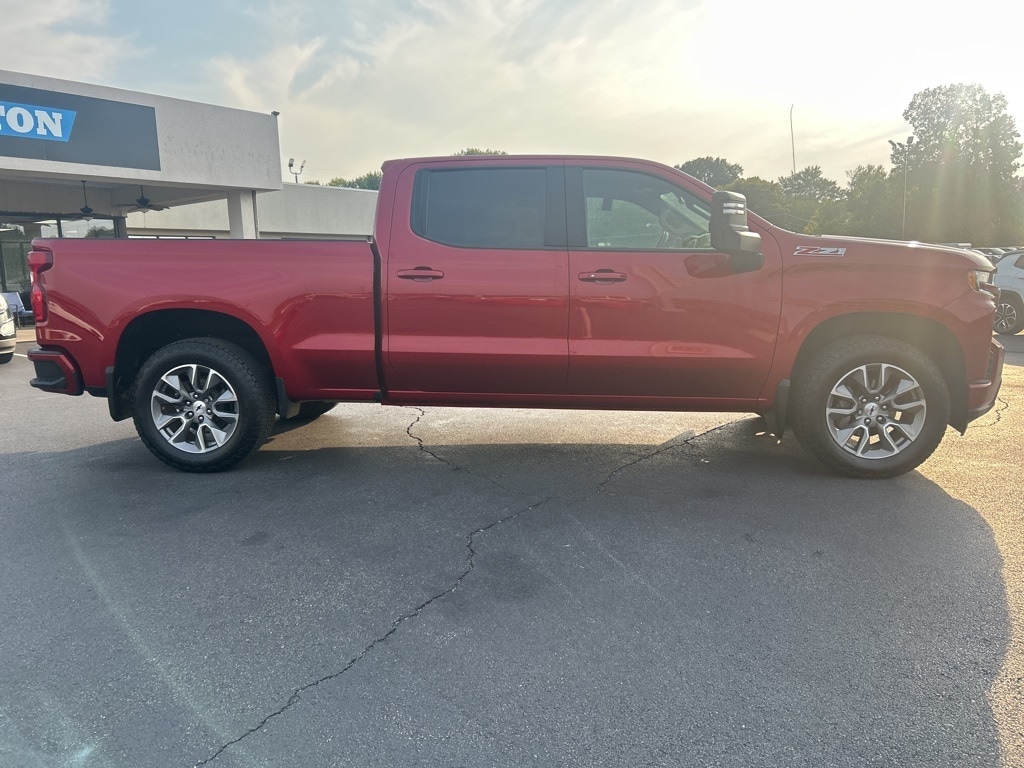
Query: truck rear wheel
x,y
202,405
870,406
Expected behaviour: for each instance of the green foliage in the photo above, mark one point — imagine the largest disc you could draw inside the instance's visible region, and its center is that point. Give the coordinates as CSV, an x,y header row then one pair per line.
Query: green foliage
x,y
811,185
713,171
961,168
474,151
793,201
869,206
100,232
765,198
369,180
958,176
372,179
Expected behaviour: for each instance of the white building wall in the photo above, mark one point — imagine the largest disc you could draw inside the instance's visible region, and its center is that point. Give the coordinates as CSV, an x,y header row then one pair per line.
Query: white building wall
x,y
201,145
298,210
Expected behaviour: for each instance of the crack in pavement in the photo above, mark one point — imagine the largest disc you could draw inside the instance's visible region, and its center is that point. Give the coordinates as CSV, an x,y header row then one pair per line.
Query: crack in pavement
x,y
663,448
453,467
423,446
296,695
1002,405
470,544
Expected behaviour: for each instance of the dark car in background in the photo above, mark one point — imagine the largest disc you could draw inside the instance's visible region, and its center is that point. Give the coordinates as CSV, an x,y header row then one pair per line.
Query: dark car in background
x,y
8,332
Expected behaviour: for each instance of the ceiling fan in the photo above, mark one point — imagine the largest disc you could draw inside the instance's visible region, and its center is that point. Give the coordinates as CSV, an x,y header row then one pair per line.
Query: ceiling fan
x,y
85,209
142,203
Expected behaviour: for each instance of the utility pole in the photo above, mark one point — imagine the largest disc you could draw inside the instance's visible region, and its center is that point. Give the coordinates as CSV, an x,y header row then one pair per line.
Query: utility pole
x,y
792,136
897,146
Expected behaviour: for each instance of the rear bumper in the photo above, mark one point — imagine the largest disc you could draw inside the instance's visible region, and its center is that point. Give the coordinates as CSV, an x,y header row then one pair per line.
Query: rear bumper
x,y
55,372
981,395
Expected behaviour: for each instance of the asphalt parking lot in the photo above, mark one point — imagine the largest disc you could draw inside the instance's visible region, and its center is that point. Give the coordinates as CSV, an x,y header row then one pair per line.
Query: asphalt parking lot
x,y
462,587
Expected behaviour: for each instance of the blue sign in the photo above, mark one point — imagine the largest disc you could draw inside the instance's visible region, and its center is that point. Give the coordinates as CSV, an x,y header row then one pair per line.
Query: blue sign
x,y
31,122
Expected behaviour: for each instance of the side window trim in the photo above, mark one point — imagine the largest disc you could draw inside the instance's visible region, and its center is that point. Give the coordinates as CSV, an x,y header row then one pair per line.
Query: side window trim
x,y
576,208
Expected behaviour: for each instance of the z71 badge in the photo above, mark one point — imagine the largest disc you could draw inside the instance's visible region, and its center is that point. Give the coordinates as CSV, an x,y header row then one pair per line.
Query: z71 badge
x,y
814,250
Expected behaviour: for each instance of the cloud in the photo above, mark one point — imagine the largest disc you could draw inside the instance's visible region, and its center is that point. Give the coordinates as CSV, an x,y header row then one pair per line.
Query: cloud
x,y
360,82
432,77
62,38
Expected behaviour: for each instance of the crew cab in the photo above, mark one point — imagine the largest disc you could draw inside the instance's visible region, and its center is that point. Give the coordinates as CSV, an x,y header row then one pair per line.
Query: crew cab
x,y
561,282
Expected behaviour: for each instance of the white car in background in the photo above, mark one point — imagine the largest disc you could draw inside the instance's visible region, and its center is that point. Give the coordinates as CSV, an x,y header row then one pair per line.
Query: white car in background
x,y
8,332
1009,279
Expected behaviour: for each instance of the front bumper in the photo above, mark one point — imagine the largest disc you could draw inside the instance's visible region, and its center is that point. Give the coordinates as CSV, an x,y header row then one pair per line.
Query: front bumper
x,y
981,395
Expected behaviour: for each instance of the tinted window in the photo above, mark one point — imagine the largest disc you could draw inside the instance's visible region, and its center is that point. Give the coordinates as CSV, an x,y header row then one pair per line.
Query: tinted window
x,y
481,207
630,210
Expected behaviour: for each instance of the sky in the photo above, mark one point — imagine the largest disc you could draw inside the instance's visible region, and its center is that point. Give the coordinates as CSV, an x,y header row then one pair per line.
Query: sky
x,y
357,82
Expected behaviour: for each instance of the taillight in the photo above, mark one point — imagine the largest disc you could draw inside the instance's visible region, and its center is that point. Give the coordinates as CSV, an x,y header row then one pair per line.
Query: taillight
x,y
39,261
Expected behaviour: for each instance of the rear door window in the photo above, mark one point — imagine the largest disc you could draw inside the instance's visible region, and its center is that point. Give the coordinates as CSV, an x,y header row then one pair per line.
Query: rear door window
x,y
489,207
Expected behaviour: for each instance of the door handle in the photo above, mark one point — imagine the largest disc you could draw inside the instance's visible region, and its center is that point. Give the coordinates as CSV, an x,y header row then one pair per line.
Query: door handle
x,y
602,276
421,274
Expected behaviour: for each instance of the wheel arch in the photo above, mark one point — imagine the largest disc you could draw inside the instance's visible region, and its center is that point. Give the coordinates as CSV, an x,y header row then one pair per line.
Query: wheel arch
x,y
147,333
930,336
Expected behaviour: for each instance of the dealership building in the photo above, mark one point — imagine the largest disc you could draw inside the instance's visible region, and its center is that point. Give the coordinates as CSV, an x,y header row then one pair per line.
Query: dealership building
x,y
81,160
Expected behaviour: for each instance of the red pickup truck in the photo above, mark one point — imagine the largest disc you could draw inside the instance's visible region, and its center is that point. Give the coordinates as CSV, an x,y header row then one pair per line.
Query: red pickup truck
x,y
562,282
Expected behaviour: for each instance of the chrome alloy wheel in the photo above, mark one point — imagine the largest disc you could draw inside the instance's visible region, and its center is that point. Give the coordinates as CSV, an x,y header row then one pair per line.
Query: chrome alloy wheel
x,y
1006,317
194,408
876,411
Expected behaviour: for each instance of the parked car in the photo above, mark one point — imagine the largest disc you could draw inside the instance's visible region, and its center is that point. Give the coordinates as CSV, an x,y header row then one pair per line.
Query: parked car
x,y
991,252
8,332
1009,278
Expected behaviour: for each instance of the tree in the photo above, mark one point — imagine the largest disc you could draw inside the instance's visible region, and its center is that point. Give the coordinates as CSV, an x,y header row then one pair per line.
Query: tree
x,y
806,192
372,179
475,151
811,184
765,198
868,208
961,167
369,180
713,171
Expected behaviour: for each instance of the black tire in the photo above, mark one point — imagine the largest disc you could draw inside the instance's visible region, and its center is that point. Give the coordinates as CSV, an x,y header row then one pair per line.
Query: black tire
x,y
6,357
1009,318
202,405
312,410
870,406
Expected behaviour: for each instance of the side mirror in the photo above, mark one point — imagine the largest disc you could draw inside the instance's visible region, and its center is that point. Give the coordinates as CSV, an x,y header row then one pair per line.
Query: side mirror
x,y
730,234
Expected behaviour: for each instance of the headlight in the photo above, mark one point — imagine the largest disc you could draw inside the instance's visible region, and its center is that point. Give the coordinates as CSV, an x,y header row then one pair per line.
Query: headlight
x,y
980,279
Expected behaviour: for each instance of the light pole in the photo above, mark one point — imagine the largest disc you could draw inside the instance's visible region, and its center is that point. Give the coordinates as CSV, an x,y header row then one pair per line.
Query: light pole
x,y
899,145
292,171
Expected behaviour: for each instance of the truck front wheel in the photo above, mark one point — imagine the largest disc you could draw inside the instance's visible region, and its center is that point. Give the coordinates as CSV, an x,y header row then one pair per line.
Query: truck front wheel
x,y
870,406
202,405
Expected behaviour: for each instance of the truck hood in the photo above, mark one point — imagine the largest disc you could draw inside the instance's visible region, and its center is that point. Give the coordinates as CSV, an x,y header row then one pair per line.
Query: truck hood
x,y
869,250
